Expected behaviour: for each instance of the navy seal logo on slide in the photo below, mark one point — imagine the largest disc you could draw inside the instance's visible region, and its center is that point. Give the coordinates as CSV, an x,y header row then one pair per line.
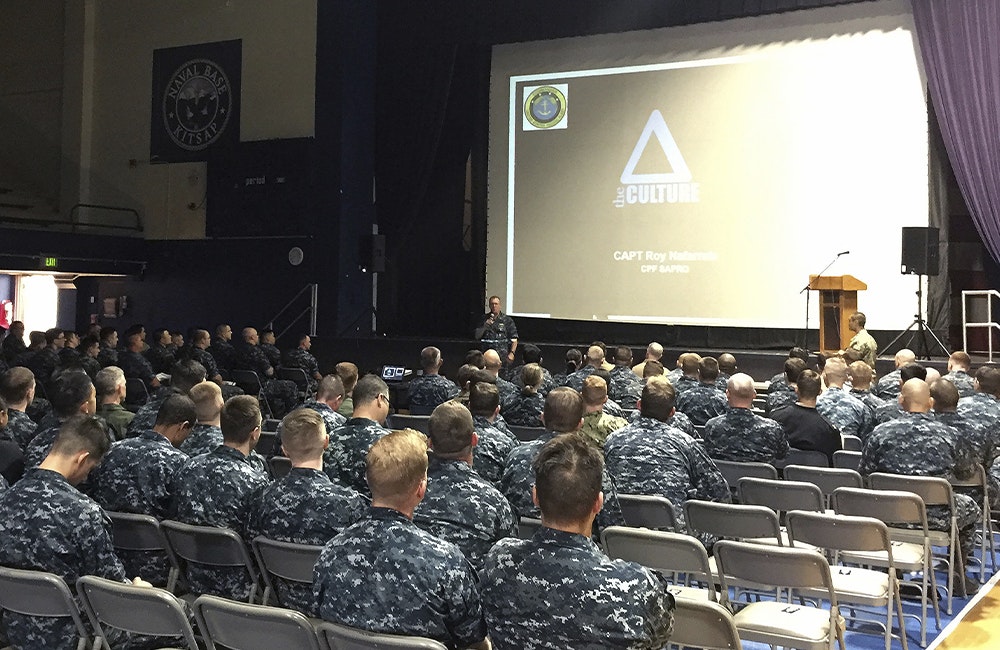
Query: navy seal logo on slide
x,y
196,104
545,107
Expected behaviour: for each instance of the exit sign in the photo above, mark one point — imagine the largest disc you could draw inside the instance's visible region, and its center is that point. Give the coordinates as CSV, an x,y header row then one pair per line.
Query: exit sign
x,y
49,262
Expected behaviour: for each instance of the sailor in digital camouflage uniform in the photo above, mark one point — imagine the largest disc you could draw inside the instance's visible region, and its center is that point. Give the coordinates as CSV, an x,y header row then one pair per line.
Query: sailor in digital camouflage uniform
x,y
650,457
893,409
595,359
159,355
108,355
215,489
304,506
270,350
134,365
984,439
301,357
329,396
431,388
531,353
558,589
861,376
73,393
349,443
222,349
206,434
47,525
958,373
626,386
493,366
563,414
137,474
740,434
917,445
385,574
494,442
839,407
525,409
460,506
887,387
677,421
17,387
704,401
497,331
984,407
597,425
782,393
281,394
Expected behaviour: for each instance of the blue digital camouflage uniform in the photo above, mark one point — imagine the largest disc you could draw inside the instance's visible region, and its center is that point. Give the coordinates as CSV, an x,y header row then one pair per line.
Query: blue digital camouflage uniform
x,y
575,380
463,508
965,384
47,525
136,476
204,438
40,445
743,436
205,358
870,399
12,347
281,394
626,387
489,456
984,409
917,445
20,427
888,411
680,421
428,391
847,413
519,477
611,408
133,364
215,490
271,353
674,375
779,382
346,457
779,398
107,356
598,425
685,383
722,382
331,418
42,364
558,590
145,417
985,442
524,410
387,575
90,365
650,457
299,358
497,335
701,403
160,358
3,483
304,507
888,387
508,392
224,354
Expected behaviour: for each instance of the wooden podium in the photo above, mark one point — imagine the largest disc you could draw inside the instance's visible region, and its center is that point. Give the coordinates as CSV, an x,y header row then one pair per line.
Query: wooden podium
x,y
838,300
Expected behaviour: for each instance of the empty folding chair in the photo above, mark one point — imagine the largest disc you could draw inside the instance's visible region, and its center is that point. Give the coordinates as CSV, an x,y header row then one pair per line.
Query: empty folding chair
x,y
280,466
341,637
847,459
285,560
808,457
210,546
643,511
758,524
528,526
37,593
827,479
979,484
140,610
733,471
141,533
851,443
269,425
673,554
702,624
240,626
781,496
267,444
420,423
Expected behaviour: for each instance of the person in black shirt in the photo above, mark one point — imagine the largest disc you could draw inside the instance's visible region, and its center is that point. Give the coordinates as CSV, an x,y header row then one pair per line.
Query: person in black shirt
x,y
804,427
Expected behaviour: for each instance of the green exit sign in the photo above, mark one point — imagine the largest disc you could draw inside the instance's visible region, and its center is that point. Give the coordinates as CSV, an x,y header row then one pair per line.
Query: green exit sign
x,y
50,262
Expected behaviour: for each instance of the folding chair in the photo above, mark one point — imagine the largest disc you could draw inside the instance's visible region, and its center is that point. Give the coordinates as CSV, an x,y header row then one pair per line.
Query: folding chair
x,y
240,626
934,491
341,637
674,554
911,549
402,421
280,466
827,479
733,471
808,457
985,534
293,562
526,434
267,444
758,524
136,393
851,443
141,610
527,527
298,377
702,624
781,496
270,425
778,623
208,545
38,593
134,532
643,511
249,382
855,585
847,459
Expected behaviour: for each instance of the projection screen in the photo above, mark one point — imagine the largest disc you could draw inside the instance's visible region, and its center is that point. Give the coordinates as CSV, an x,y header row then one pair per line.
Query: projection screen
x,y
698,175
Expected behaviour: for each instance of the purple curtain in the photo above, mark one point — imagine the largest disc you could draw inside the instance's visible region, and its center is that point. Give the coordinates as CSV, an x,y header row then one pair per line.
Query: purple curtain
x,y
960,43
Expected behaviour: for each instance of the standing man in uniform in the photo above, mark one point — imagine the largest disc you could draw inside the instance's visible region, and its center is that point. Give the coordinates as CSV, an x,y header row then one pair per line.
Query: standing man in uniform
x,y
862,342
498,332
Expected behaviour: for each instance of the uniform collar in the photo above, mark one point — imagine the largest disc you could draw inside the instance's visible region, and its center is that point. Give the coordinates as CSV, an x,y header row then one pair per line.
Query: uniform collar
x,y
229,452
154,436
387,514
555,537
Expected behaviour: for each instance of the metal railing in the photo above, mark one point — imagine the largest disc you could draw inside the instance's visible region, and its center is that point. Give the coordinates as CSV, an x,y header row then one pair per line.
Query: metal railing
x,y
989,324
310,309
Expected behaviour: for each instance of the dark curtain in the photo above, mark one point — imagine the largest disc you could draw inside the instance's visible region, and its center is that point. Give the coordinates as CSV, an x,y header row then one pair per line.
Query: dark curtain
x,y
961,54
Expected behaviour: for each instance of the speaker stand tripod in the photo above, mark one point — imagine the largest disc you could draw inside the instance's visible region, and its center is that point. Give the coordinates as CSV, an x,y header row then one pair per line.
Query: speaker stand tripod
x,y
922,330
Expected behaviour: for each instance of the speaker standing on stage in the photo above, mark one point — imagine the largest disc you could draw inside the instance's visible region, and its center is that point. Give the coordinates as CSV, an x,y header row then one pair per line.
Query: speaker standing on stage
x,y
862,342
498,332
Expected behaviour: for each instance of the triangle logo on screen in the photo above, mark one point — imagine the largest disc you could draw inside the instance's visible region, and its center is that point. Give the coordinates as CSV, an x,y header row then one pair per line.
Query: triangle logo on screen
x,y
657,126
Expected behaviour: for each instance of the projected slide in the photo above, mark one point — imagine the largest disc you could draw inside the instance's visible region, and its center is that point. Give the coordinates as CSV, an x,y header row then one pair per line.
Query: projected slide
x,y
705,188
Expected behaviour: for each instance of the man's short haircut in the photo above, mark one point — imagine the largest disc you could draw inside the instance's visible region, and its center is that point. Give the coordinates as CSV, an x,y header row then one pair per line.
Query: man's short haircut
x,y
36,339
657,400
961,359
465,374
851,355
652,368
654,350
299,339
107,380
531,377
595,390
912,371
988,377
159,332
799,353
623,355
945,395
52,334
809,384
531,353
793,368
859,318
603,374
740,386
106,333
82,433
177,409
690,362
727,363
451,428
303,435
475,358
482,376
484,399
135,329
368,389
206,396
568,478
595,355
239,417
348,373
220,329
88,342
69,391
396,464
861,373
563,410
186,374
708,370
15,384
200,335
330,387
430,357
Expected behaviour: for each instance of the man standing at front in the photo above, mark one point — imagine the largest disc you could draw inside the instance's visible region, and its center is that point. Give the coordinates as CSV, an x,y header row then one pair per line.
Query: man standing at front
x,y
862,342
558,589
498,332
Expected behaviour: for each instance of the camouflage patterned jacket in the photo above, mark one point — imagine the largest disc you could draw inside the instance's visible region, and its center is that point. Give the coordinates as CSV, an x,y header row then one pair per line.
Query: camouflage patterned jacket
x,y
20,427
626,387
524,409
427,391
347,454
965,384
701,403
743,436
489,456
846,412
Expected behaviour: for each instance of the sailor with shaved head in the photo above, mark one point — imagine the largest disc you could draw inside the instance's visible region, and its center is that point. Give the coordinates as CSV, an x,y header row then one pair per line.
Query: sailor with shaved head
x,y
740,434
